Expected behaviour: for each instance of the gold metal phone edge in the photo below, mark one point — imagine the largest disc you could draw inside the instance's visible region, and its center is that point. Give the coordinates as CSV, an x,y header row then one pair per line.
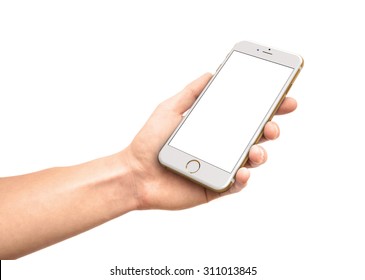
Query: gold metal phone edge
x,y
256,141
273,113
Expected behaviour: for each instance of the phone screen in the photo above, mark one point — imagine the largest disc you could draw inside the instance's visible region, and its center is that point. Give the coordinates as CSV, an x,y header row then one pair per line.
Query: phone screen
x,y
223,122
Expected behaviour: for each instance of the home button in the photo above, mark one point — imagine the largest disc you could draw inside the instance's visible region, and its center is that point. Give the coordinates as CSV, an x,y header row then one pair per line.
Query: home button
x,y
193,166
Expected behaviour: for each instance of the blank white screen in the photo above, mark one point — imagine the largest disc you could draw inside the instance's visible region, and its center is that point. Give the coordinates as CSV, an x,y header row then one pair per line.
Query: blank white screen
x,y
227,116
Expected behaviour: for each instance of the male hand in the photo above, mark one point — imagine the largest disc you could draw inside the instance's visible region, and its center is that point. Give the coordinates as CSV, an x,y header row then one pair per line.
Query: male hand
x,y
158,188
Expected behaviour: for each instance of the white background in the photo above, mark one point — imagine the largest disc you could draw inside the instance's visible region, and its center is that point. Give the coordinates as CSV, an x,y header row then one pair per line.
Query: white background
x,y
79,78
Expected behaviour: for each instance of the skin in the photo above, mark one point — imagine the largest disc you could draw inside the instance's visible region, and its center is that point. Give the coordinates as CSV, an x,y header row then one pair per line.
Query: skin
x,y
46,207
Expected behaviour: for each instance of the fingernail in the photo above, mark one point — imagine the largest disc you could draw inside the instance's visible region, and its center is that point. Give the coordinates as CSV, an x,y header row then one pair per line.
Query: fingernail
x,y
277,132
260,152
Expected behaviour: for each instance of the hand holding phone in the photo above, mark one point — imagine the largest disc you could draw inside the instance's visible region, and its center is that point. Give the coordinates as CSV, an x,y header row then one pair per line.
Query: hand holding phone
x,y
213,140
155,186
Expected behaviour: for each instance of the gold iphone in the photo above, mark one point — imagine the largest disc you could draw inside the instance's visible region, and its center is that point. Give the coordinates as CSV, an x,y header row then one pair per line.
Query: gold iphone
x,y
214,138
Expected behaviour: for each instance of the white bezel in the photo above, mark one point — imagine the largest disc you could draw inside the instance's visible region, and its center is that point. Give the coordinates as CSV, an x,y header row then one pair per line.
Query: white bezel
x,y
209,175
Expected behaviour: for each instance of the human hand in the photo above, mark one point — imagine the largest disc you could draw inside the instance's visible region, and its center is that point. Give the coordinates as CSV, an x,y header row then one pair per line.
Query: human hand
x,y
158,188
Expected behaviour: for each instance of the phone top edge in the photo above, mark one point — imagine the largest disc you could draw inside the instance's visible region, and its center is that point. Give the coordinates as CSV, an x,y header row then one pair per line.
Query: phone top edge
x,y
270,53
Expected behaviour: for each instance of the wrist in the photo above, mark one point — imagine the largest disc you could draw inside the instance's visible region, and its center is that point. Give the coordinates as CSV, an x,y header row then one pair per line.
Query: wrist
x,y
135,177
122,194
111,181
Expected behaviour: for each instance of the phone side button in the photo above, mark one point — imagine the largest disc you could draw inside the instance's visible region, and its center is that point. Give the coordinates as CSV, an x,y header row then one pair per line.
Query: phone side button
x,y
192,166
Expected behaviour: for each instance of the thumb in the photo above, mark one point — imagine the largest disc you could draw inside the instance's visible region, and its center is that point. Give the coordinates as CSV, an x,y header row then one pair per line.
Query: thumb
x,y
182,101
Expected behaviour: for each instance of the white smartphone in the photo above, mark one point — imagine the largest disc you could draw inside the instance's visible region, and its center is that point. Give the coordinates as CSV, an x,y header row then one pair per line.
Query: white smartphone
x,y
214,138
